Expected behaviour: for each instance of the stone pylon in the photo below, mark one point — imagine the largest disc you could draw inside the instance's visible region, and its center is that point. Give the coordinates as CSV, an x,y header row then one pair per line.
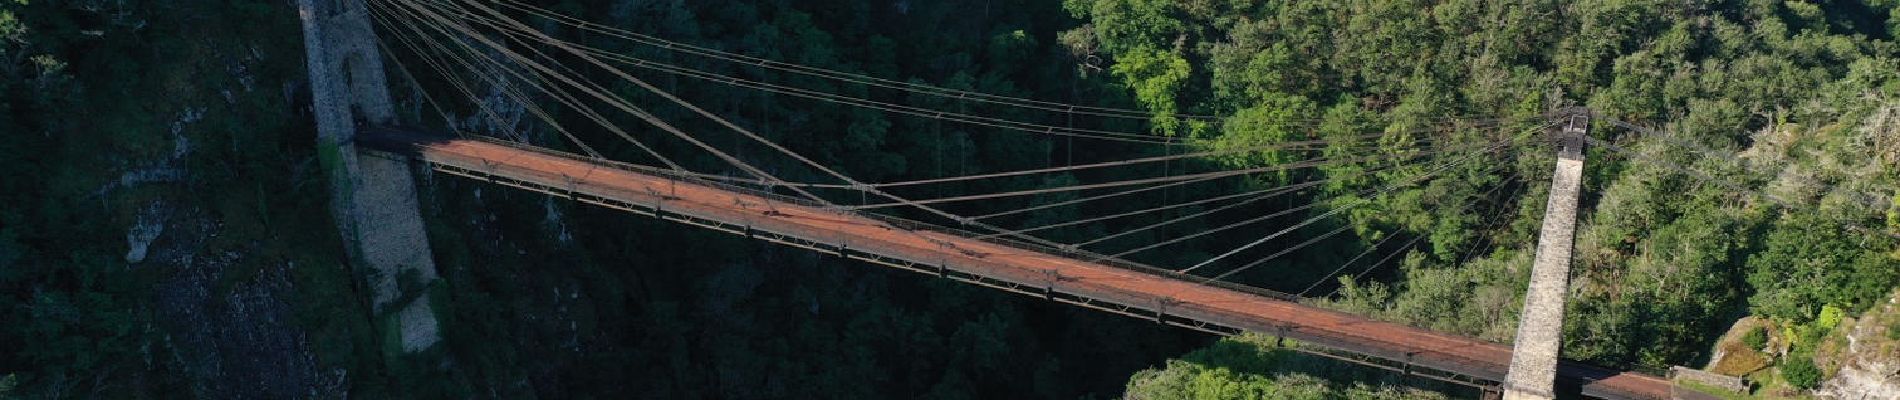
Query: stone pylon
x,y
373,195
1540,326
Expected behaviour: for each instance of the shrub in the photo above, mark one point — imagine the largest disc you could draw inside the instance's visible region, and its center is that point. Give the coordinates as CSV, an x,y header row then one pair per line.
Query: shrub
x,y
1800,371
1756,338
1829,318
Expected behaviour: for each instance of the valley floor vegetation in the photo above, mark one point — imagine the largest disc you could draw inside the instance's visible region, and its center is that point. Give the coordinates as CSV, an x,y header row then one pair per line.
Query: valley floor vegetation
x,y
165,230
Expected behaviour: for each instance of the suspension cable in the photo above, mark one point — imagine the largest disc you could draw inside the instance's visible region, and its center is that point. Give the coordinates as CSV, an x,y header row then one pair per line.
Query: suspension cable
x,y
1263,194
1094,198
1189,217
437,65
1862,197
839,75
561,95
858,78
1355,202
505,89
1493,218
1305,145
595,91
860,102
1131,182
1388,257
1348,263
745,132
1287,145
417,83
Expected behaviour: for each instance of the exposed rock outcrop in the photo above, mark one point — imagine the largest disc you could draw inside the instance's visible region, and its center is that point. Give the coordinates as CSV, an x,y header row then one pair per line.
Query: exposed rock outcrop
x,y
1872,368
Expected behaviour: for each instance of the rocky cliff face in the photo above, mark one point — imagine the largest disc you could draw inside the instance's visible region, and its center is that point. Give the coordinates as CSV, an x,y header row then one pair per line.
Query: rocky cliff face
x,y
1872,367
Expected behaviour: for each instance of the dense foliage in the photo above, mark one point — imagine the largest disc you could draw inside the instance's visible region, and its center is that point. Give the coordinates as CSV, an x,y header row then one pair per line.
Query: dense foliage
x,y
176,114
190,115
122,115
1796,100
1252,367
1756,338
1801,372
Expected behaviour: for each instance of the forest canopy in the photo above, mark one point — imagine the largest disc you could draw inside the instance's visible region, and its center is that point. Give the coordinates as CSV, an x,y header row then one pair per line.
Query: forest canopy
x,y
1790,105
1760,181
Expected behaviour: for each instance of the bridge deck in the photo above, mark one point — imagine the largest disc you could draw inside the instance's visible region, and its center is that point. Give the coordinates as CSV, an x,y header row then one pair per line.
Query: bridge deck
x,y
1134,290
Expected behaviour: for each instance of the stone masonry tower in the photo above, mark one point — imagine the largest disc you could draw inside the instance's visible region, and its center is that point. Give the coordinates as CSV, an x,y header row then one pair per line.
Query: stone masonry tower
x,y
1540,326
373,196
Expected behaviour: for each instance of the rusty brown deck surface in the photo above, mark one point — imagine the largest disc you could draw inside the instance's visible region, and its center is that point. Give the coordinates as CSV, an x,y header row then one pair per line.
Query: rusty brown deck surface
x,y
1171,298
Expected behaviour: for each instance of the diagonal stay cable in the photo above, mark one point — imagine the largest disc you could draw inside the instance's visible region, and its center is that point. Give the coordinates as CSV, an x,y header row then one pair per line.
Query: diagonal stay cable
x,y
441,66
1308,242
1291,146
1710,153
1724,183
883,105
1388,257
1195,235
861,102
1340,209
438,65
1131,182
837,75
560,95
1492,220
1329,213
743,59
1261,195
1381,243
1304,145
1286,146
893,107
377,10
596,91
745,132
880,205
505,89
1093,198
417,83
1348,263
516,25
1183,218
1199,234
1342,228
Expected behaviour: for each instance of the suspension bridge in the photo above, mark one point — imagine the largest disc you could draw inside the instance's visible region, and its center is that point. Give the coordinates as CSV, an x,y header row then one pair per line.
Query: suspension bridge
x,y
517,67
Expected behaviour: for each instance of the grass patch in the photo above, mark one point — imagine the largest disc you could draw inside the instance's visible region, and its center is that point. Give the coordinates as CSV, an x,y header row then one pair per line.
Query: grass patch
x,y
1739,360
1720,393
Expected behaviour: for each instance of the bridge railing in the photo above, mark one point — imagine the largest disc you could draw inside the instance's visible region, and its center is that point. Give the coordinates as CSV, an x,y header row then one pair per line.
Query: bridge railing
x,y
762,190
913,225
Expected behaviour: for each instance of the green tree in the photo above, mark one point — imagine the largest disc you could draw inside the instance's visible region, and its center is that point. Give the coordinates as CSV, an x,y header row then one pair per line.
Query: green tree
x,y
1250,367
1798,368
1756,339
1156,77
